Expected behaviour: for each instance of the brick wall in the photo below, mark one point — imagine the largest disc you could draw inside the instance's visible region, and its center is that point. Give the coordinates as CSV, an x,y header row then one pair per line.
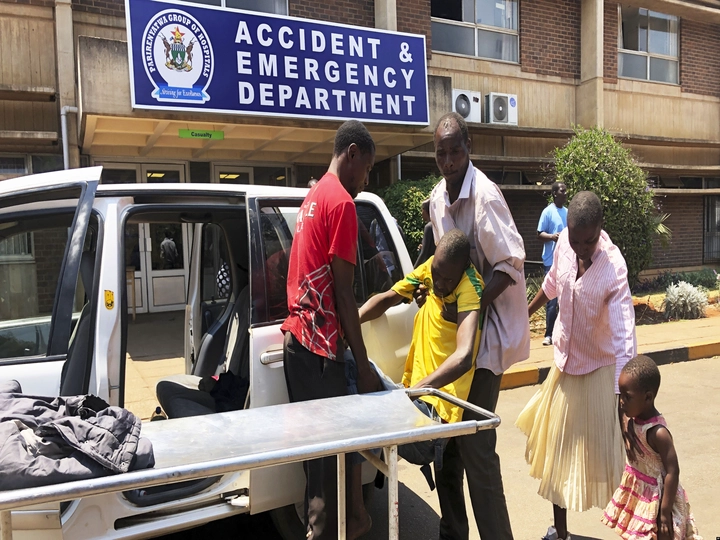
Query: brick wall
x,y
361,13
610,41
685,221
526,207
43,3
413,16
686,224
550,37
49,252
115,8
357,13
699,59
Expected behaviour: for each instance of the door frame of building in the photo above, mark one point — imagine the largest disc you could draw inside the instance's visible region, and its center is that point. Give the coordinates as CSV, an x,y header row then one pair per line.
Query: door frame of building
x,y
155,277
711,229
218,168
145,276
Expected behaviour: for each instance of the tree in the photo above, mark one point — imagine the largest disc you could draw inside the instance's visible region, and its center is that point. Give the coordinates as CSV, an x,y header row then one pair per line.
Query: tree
x,y
404,200
594,161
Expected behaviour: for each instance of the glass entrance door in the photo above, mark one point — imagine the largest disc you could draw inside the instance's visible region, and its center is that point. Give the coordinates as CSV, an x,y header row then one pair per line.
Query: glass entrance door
x,y
165,249
228,174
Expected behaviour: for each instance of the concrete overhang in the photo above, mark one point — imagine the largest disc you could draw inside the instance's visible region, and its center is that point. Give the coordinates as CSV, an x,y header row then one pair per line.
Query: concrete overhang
x,y
109,126
707,12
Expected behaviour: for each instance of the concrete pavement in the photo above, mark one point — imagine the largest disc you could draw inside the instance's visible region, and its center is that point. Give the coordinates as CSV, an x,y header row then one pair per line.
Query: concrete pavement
x,y
666,343
687,398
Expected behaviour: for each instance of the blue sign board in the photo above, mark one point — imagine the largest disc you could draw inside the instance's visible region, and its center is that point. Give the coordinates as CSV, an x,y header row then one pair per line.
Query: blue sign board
x,y
192,57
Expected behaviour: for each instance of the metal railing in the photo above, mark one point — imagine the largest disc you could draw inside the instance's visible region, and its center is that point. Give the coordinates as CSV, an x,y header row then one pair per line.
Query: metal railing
x,y
241,440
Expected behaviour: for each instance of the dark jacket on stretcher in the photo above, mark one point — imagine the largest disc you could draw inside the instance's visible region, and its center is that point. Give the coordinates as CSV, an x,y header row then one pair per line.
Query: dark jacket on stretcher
x,y
45,440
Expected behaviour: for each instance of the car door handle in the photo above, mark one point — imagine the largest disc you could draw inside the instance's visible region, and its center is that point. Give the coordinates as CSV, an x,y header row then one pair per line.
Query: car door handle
x,y
271,357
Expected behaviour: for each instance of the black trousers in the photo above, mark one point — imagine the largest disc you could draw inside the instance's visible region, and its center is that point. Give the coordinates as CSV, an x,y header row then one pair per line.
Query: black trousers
x,y
475,454
311,376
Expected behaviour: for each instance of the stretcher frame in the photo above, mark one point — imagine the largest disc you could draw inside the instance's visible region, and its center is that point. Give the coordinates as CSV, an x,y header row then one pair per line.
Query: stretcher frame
x,y
368,421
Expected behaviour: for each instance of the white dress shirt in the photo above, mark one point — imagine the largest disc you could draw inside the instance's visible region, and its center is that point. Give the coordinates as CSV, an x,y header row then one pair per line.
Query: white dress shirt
x,y
481,212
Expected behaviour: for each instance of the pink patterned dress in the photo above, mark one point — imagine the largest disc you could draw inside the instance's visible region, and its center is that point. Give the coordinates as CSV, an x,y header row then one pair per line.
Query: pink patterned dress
x,y
635,506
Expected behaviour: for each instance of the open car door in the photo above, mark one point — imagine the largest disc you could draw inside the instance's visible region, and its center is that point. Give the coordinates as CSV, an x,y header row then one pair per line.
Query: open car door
x,y
382,260
44,238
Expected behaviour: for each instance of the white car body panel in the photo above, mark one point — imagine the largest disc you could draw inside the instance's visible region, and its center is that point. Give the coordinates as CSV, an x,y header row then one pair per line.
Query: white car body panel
x,y
387,340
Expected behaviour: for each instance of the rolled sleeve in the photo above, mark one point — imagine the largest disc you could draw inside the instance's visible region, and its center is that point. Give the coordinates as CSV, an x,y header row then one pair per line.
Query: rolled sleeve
x,y
407,286
501,244
549,285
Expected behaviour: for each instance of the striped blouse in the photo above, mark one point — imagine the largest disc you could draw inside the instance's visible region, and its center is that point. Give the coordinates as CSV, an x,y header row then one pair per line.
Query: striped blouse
x,y
596,321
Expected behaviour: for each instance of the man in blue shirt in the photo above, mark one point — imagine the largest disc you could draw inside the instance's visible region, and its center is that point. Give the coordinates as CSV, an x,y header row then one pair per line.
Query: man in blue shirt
x,y
552,221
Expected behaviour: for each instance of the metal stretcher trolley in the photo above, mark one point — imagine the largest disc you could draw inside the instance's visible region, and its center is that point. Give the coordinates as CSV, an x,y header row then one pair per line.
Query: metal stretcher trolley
x,y
199,447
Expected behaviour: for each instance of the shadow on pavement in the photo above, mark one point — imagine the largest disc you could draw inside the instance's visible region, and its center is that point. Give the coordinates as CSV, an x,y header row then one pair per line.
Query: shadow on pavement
x,y
247,527
418,520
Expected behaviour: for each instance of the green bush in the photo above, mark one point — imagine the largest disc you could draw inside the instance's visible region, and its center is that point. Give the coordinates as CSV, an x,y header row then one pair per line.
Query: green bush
x,y
683,301
594,161
705,278
404,200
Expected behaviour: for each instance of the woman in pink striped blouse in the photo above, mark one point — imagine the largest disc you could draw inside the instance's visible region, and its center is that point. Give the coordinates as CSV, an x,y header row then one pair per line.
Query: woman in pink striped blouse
x,y
574,441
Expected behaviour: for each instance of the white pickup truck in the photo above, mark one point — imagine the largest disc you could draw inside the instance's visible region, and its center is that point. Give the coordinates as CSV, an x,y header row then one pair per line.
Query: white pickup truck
x,y
69,246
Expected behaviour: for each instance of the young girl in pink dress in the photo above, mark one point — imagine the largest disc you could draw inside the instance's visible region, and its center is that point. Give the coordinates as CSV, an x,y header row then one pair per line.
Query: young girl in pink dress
x,y
650,502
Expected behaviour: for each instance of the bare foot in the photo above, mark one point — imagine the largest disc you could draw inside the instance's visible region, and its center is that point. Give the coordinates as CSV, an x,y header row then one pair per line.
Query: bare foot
x,y
358,526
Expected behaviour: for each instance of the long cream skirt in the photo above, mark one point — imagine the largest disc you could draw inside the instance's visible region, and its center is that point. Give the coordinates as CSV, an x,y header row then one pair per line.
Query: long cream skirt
x,y
574,444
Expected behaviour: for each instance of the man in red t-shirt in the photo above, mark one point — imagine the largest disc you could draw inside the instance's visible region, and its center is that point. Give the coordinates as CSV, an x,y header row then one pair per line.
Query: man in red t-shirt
x,y
323,315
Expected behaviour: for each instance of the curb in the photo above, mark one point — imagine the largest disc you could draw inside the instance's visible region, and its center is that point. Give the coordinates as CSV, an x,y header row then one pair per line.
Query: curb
x,y
530,375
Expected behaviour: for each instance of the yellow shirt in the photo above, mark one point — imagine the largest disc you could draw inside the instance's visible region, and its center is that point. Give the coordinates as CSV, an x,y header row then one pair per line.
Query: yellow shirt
x,y
435,339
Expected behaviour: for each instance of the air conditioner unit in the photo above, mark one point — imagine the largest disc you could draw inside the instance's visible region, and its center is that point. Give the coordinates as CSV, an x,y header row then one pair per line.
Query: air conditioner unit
x,y
501,109
467,104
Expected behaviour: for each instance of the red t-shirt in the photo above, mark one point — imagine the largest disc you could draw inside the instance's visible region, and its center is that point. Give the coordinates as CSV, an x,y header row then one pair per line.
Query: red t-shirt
x,y
326,226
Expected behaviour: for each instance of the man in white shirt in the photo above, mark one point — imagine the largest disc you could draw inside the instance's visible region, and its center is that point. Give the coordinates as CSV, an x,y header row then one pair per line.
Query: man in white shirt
x,y
466,199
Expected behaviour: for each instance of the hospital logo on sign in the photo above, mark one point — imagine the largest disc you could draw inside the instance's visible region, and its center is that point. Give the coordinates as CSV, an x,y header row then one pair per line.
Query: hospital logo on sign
x,y
178,57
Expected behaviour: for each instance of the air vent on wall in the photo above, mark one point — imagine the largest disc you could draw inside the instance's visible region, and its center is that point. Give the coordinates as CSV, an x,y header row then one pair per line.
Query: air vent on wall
x,y
501,109
467,104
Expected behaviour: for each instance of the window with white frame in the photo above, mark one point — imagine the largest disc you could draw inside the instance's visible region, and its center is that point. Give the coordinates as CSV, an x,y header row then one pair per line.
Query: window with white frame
x,y
278,7
648,45
17,248
482,28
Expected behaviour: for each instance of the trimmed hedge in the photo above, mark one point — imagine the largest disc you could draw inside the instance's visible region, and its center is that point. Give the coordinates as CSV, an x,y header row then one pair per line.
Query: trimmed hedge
x,y
594,161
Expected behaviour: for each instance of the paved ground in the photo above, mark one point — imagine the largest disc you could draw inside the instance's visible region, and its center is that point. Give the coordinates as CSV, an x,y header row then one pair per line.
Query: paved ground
x,y
155,350
688,398
651,337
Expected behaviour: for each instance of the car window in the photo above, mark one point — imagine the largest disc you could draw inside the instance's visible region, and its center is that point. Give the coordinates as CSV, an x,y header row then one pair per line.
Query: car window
x,y
277,226
381,266
32,250
378,272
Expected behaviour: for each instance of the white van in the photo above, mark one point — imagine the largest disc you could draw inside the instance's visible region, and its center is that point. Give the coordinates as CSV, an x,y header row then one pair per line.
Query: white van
x,y
69,247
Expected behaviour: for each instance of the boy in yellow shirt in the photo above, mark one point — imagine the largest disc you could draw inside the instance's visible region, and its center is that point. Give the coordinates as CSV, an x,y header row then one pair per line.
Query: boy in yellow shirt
x,y
442,353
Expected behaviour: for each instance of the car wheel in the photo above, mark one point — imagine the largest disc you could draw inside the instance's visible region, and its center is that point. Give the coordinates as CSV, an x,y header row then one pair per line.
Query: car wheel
x,y
288,521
